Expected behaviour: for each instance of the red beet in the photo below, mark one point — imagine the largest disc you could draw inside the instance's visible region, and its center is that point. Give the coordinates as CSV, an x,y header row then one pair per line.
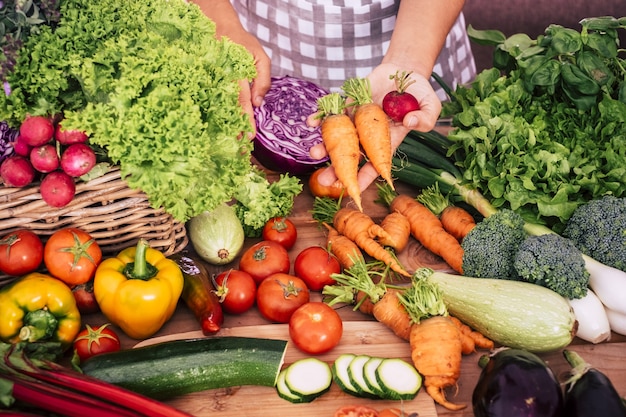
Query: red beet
x,y
17,171
68,137
36,130
78,159
399,102
44,158
57,189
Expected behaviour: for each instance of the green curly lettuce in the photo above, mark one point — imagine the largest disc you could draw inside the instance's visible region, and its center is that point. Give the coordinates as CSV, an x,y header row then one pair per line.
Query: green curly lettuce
x,y
153,86
258,200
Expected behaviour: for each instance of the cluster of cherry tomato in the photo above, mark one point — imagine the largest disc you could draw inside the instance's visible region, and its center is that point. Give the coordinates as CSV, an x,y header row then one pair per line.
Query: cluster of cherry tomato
x,y
264,279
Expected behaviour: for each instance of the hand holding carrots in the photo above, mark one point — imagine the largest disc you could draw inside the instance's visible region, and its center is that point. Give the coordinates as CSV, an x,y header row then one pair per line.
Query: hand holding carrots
x,y
423,119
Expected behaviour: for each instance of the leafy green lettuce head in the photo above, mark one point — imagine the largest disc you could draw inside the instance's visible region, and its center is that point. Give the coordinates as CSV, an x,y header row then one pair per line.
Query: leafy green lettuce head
x,y
151,84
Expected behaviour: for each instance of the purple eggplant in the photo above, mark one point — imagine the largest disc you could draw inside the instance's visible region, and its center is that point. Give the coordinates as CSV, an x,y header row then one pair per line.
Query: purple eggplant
x,y
589,392
516,383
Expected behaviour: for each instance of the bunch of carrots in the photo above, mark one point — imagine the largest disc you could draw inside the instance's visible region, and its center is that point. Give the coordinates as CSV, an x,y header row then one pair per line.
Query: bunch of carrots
x,y
352,232
428,227
417,314
344,136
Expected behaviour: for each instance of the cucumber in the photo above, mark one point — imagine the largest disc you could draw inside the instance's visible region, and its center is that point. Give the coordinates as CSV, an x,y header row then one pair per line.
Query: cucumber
x,y
169,369
341,375
308,379
357,378
398,379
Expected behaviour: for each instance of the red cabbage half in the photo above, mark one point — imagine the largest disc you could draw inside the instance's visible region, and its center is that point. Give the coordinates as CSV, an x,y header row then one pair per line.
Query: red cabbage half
x,y
283,138
7,137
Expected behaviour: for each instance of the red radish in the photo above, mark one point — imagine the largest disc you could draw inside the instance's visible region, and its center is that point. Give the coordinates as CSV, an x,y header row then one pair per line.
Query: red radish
x,y
17,171
78,159
36,130
399,102
68,137
57,189
20,147
44,158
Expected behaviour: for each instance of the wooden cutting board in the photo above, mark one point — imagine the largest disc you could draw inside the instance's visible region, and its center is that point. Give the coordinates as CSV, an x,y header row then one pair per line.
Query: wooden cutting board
x,y
361,337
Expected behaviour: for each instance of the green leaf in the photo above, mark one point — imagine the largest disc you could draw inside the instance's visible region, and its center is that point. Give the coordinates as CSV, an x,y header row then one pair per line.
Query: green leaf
x,y
485,37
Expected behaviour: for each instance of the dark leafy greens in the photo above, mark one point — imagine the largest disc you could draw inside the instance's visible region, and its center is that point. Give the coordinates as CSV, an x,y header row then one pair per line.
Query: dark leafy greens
x,y
150,83
545,129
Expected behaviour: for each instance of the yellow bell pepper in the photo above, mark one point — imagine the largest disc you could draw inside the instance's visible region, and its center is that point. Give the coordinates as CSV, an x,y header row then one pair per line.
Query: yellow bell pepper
x,y
138,290
38,307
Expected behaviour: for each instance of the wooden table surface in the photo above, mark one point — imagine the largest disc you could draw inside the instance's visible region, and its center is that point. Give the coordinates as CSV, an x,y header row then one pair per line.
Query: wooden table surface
x,y
609,357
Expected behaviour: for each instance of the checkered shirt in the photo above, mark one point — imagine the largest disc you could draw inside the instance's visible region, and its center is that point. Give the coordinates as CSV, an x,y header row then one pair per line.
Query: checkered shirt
x,y
329,41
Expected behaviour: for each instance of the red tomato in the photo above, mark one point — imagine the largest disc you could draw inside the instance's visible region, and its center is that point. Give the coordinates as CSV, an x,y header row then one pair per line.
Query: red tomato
x,y
315,328
236,291
21,252
93,341
356,411
279,295
280,230
72,255
85,298
315,265
334,191
264,259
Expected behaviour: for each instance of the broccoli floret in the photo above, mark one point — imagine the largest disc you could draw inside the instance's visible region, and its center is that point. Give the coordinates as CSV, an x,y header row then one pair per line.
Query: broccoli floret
x,y
490,247
598,229
554,262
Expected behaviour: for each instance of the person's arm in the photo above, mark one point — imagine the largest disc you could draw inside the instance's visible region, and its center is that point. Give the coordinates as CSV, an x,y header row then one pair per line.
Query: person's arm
x,y
420,33
227,24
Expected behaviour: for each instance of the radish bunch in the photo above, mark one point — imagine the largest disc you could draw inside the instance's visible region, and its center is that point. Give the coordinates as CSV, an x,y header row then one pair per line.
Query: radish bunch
x,y
47,151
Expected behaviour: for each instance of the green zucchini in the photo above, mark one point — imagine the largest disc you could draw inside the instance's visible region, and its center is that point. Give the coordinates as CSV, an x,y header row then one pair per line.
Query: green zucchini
x,y
308,378
341,375
399,380
516,314
285,393
369,374
357,376
168,369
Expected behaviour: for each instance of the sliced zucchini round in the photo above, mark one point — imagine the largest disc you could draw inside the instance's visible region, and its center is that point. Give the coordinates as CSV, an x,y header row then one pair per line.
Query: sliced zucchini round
x,y
308,378
398,379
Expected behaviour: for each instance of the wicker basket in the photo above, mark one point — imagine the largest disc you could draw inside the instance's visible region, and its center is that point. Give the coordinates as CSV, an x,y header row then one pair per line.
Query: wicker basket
x,y
113,214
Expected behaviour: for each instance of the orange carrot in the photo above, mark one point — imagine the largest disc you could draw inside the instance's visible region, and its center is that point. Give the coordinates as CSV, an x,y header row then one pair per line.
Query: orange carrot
x,y
455,220
342,143
436,344
425,227
390,312
436,353
362,230
476,339
372,125
398,228
345,250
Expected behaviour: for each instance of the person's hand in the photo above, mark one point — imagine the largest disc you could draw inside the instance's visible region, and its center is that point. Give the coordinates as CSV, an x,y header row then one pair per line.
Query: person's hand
x,y
423,119
251,94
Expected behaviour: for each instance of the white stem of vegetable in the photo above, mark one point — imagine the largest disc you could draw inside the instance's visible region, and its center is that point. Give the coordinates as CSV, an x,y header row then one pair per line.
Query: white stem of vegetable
x,y
617,321
593,324
608,283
